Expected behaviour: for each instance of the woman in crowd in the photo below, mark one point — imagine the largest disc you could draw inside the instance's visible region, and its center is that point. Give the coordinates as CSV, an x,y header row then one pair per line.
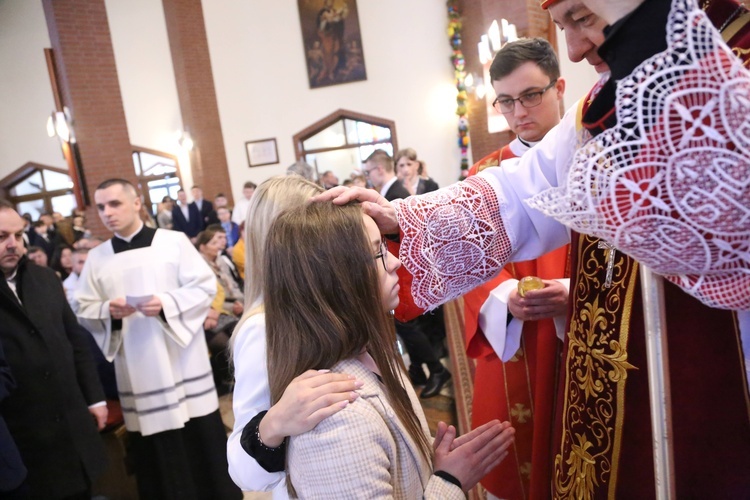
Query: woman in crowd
x,y
411,172
327,308
227,306
62,260
255,451
424,336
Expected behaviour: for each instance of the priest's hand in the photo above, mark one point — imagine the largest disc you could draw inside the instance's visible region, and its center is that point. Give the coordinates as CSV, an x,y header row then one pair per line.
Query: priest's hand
x,y
151,307
547,302
100,415
477,453
119,308
374,205
308,399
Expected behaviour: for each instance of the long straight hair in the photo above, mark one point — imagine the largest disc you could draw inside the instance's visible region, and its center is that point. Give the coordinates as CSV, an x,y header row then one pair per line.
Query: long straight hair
x,y
272,197
323,303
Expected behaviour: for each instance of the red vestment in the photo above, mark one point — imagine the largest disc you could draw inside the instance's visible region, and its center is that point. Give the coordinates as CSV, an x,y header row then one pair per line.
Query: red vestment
x,y
522,389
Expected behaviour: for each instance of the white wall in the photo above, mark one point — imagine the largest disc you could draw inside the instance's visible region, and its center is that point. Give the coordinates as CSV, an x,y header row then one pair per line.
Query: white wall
x,y
145,72
260,75
259,69
26,97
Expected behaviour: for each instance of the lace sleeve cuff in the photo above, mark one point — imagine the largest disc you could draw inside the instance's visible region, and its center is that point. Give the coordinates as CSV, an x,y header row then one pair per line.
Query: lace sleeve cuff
x,y
453,239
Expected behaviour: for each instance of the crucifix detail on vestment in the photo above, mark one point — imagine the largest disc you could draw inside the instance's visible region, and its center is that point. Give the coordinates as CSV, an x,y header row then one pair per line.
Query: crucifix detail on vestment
x,y
609,252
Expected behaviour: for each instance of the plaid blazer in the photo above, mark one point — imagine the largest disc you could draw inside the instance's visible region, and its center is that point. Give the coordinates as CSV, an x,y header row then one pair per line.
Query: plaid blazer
x,y
364,451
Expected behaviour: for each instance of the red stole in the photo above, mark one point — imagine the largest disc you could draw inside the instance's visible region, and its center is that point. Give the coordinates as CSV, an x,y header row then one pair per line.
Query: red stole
x,y
521,390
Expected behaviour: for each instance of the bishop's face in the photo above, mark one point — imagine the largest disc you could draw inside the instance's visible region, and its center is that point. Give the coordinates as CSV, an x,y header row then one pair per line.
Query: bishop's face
x,y
583,30
118,209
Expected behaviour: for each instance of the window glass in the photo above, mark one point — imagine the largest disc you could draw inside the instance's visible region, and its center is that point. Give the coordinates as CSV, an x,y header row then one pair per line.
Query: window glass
x,y
159,188
64,204
332,136
32,184
56,180
35,208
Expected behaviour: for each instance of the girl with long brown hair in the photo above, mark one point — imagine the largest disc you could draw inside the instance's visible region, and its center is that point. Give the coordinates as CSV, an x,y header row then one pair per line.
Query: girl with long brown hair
x,y
255,450
329,285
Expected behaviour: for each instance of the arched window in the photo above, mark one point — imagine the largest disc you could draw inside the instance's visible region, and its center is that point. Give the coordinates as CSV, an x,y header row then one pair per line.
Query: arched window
x,y
36,189
341,141
158,176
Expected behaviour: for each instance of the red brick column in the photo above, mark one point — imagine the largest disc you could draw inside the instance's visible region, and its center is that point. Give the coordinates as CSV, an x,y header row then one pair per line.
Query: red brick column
x,y
197,94
82,46
477,15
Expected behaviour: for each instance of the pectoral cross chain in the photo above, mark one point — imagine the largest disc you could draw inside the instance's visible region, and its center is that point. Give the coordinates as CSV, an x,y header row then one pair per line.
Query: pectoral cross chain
x,y
610,251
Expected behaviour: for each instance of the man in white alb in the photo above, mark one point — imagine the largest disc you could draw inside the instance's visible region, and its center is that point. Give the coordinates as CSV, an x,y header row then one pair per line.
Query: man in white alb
x,y
144,295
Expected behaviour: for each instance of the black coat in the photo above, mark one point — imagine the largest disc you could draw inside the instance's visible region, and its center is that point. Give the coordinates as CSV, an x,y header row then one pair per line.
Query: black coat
x,y
396,191
426,186
56,378
12,471
190,227
207,213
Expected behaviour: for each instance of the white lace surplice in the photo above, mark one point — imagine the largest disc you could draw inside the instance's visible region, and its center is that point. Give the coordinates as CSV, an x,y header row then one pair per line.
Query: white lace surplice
x,y
670,184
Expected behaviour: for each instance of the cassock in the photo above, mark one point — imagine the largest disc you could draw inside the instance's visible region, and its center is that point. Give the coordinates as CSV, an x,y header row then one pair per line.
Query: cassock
x,y
516,364
164,377
456,238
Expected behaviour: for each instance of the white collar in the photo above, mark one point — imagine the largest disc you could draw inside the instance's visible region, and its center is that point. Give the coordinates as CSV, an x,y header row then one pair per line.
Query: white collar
x,y
130,238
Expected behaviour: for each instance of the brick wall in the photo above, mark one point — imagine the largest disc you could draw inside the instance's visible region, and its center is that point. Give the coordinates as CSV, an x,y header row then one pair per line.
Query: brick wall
x,y
477,15
197,94
80,38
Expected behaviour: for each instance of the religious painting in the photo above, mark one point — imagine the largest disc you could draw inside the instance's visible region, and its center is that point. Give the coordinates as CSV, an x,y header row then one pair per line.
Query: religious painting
x,y
332,42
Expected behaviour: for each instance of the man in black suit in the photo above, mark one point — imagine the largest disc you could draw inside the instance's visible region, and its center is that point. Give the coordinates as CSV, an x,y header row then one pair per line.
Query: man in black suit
x,y
12,470
205,208
186,217
379,169
380,172
54,412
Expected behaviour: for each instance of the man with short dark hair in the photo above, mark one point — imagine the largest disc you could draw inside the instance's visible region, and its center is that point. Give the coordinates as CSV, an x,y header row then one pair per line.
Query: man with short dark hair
x,y
205,208
144,295
185,216
525,75
37,256
239,212
58,402
380,171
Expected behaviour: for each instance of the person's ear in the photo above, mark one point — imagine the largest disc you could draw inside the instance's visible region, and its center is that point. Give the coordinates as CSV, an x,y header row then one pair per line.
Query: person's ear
x,y
560,88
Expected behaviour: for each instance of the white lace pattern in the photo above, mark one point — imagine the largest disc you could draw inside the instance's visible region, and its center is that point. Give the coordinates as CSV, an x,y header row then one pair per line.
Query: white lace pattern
x,y
453,240
670,184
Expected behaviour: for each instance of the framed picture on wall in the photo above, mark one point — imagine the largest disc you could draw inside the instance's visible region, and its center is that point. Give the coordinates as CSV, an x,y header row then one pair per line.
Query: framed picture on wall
x,y
332,42
262,152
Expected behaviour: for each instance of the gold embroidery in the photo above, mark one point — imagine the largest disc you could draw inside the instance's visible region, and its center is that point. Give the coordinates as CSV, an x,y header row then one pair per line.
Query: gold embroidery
x,y
492,162
742,54
517,356
596,370
526,470
520,413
